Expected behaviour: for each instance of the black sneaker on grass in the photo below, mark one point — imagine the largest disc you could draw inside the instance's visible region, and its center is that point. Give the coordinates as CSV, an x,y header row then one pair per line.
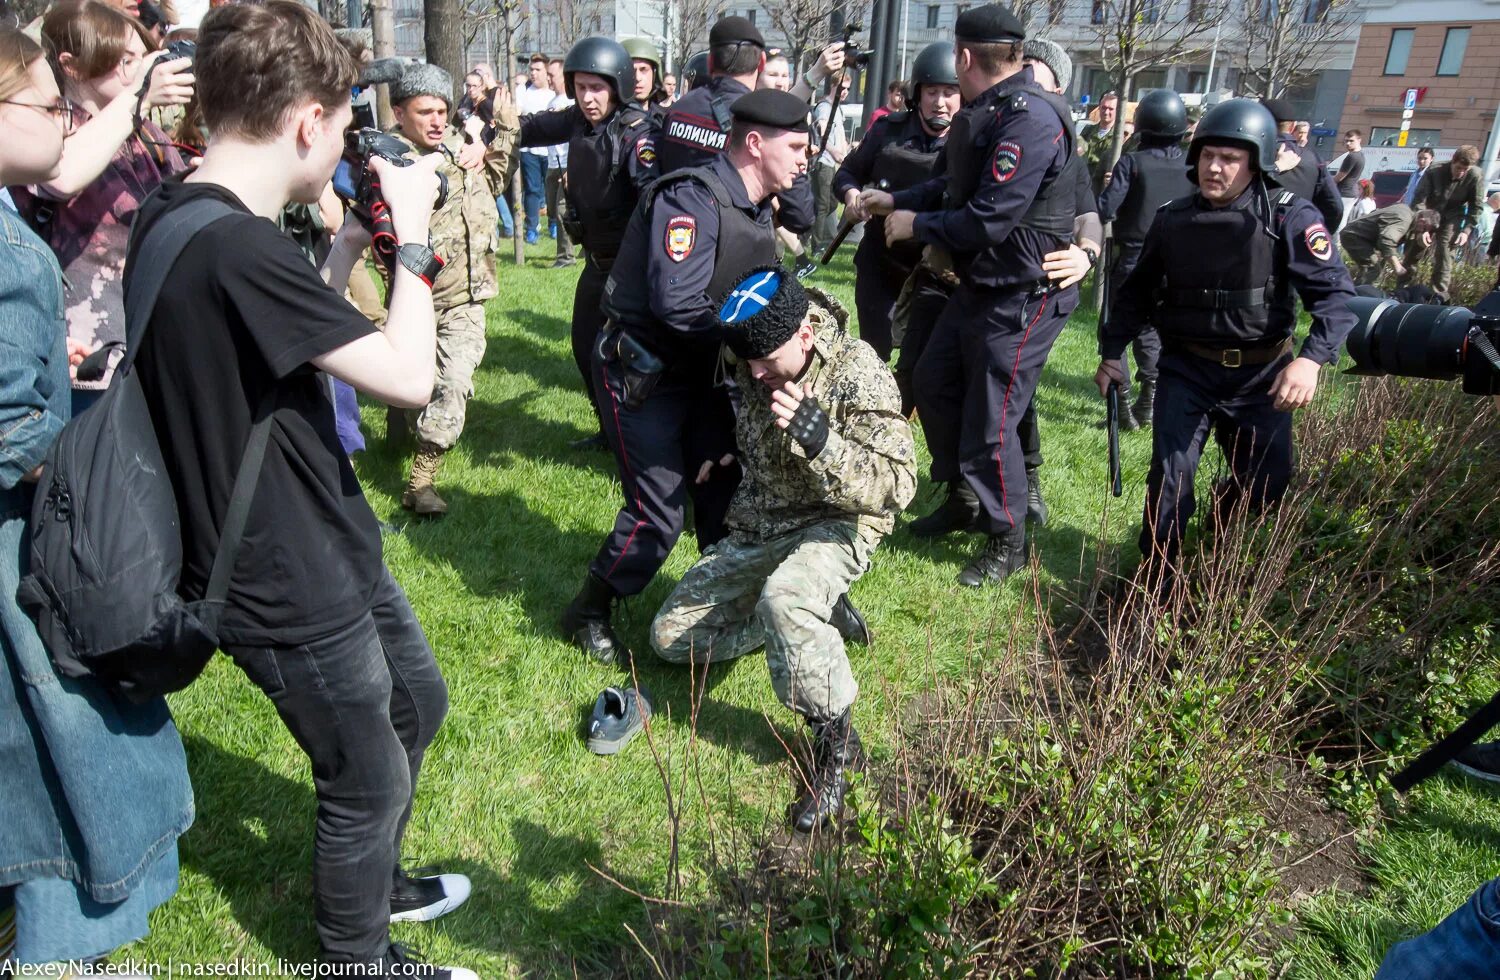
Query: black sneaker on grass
x,y
1480,760
403,961
416,897
620,714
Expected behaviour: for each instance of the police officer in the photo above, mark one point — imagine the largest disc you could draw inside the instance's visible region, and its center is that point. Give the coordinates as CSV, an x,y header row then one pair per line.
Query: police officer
x,y
899,151
463,233
1142,181
611,161
694,73
1217,276
1004,206
693,236
647,92
1298,168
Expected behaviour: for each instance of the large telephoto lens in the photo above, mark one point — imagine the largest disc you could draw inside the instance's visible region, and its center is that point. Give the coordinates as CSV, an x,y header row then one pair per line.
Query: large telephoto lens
x,y
1409,340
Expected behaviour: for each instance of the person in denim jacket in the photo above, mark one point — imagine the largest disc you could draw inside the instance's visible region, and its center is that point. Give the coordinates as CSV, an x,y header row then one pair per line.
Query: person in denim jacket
x,y
93,792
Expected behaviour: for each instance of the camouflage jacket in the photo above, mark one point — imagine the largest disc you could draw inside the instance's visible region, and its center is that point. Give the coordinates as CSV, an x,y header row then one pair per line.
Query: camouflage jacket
x,y
866,471
465,231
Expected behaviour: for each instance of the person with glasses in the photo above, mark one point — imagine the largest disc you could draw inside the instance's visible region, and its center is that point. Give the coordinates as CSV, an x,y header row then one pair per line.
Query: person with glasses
x,y
113,156
96,790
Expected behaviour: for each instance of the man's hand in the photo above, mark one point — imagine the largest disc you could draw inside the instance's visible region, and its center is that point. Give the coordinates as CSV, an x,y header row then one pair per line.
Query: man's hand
x,y
706,470
830,61
471,156
1426,239
410,192
1294,386
77,351
1397,267
1461,239
798,412
171,83
1110,372
898,226
852,209
873,202
1066,267
353,234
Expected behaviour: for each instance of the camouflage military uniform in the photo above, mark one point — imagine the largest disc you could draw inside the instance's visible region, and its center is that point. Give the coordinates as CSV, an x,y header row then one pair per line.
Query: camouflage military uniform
x,y
802,531
464,234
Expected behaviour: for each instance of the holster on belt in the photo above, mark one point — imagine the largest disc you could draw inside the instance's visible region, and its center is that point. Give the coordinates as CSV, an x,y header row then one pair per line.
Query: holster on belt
x,y
640,369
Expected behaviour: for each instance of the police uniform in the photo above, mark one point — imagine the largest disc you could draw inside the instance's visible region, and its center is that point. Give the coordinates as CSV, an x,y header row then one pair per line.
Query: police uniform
x,y
1308,178
897,152
610,164
1219,285
804,522
692,237
1007,207
464,233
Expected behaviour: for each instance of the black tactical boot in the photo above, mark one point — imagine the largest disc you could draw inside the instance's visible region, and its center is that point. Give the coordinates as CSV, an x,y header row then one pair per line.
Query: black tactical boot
x,y
1144,403
836,749
595,442
586,622
1001,555
850,622
1036,507
956,513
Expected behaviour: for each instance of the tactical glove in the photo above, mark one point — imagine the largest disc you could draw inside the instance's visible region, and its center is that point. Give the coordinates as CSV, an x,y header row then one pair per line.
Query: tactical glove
x,y
809,426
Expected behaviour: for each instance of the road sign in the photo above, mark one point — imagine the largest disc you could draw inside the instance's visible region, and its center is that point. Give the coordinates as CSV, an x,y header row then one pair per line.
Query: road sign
x,y
1411,99
1401,137
1406,114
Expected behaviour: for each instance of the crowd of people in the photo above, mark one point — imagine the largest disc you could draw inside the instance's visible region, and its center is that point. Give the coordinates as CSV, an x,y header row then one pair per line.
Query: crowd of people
x,y
720,377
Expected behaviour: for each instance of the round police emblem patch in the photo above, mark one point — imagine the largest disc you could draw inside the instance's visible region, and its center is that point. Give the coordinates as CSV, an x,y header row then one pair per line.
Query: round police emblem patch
x,y
1006,162
1318,242
682,234
645,151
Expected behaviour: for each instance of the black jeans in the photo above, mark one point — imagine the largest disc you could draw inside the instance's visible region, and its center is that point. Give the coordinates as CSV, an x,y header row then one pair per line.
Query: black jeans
x,y
364,704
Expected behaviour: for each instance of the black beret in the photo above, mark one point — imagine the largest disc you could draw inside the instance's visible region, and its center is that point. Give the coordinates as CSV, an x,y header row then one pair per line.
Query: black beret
x,y
992,23
770,107
734,30
1281,110
762,312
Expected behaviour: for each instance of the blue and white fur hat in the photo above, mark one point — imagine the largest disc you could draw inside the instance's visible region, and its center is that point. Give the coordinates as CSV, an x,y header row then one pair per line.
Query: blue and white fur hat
x,y
762,312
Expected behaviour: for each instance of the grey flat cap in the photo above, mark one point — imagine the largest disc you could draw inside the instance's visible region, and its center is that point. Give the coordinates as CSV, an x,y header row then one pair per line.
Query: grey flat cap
x,y
1051,54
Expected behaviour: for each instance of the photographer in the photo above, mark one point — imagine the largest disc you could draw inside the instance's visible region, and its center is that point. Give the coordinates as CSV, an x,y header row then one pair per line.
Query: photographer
x,y
113,157
242,328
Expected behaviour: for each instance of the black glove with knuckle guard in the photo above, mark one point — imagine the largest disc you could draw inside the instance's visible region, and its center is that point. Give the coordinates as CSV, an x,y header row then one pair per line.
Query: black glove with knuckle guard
x,y
809,426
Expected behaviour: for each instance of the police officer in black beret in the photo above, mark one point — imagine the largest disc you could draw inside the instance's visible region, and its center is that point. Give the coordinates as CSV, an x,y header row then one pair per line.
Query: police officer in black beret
x,y
694,234
899,151
1142,181
999,209
1218,276
611,161
1298,168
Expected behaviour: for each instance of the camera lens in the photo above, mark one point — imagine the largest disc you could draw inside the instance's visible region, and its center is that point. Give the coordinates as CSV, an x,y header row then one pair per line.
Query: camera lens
x,y
1408,339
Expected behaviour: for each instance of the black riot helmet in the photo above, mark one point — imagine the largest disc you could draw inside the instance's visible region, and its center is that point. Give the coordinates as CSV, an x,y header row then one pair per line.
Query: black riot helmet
x,y
605,57
695,72
1161,113
933,66
1237,122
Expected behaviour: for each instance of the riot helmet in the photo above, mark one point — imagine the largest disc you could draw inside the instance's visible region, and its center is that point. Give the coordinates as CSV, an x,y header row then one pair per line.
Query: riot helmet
x,y
605,57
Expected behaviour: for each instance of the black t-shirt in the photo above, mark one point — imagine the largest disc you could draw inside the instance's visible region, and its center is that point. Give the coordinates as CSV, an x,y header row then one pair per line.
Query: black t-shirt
x,y
241,314
1353,165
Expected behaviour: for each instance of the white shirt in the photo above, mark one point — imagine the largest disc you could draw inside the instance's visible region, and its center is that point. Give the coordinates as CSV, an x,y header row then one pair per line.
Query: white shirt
x,y
532,100
837,138
557,156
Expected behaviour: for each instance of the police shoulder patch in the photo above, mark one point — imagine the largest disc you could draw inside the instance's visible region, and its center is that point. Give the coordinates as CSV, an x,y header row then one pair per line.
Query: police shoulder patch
x,y
645,151
1006,162
682,234
1318,242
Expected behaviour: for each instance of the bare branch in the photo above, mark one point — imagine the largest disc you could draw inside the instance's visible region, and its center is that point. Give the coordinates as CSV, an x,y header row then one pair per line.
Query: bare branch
x,y
1280,44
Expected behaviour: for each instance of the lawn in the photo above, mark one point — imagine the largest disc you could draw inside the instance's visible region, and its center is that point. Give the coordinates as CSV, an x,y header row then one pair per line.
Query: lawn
x,y
509,795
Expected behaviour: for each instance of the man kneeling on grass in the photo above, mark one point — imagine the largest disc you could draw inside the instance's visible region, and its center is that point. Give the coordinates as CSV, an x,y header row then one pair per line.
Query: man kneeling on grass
x,y
829,463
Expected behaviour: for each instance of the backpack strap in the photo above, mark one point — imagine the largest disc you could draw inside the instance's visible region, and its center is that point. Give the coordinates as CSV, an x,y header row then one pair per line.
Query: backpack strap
x,y
238,513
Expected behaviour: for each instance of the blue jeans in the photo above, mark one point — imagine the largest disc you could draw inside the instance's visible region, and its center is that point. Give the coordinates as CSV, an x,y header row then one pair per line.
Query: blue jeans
x,y
363,704
534,187
1465,945
507,223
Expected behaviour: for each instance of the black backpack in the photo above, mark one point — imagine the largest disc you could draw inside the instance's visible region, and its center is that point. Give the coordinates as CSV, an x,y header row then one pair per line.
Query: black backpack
x,y
106,543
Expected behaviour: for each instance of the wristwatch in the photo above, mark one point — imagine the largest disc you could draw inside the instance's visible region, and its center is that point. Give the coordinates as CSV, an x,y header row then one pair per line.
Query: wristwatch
x,y
421,261
1093,256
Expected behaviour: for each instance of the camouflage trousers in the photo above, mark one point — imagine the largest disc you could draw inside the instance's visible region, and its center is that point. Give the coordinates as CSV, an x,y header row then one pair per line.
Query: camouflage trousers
x,y
460,348
744,594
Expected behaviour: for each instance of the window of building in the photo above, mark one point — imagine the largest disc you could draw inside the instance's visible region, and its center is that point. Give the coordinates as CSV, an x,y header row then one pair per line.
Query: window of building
x,y
1399,51
1454,44
1149,11
1270,11
750,15
1099,12
932,16
1315,12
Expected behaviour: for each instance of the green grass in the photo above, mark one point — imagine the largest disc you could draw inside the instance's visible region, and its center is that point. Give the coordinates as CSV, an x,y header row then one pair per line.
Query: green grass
x,y
509,794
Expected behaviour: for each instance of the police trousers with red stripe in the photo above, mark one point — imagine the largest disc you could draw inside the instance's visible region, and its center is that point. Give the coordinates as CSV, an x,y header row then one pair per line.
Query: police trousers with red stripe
x,y
659,448
977,375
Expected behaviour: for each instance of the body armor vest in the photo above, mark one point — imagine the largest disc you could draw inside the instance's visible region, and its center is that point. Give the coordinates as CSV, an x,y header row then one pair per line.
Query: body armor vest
x,y
1219,286
601,195
695,128
1157,180
898,166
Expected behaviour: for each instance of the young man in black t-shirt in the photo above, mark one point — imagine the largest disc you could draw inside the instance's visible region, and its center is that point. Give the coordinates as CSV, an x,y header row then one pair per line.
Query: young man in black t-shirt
x,y
244,325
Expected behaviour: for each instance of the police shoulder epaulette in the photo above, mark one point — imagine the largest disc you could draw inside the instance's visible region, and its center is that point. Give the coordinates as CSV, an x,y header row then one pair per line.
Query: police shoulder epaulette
x,y
1177,204
1285,198
1018,102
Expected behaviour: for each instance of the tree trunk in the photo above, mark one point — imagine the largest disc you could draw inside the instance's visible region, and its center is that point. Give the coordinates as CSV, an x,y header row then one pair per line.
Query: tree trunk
x,y
383,33
442,36
517,215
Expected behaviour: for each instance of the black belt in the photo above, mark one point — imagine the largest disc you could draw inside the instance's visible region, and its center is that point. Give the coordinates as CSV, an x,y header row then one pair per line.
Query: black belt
x,y
1215,299
1233,357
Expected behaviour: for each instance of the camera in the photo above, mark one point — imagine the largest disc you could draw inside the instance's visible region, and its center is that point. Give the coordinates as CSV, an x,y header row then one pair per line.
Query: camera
x,y
1423,341
853,53
359,188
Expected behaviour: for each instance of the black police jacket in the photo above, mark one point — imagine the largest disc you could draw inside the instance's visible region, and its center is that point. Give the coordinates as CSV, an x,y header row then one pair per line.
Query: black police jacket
x,y
609,165
694,235
1225,277
895,154
695,130
1003,207
1141,183
1310,180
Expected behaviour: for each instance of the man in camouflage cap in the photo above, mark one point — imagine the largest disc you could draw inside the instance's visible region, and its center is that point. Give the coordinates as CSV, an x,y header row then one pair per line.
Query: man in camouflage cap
x,y
828,464
463,233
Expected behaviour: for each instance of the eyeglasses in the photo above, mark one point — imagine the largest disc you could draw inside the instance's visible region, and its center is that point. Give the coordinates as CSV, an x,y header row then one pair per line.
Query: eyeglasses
x,y
61,109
